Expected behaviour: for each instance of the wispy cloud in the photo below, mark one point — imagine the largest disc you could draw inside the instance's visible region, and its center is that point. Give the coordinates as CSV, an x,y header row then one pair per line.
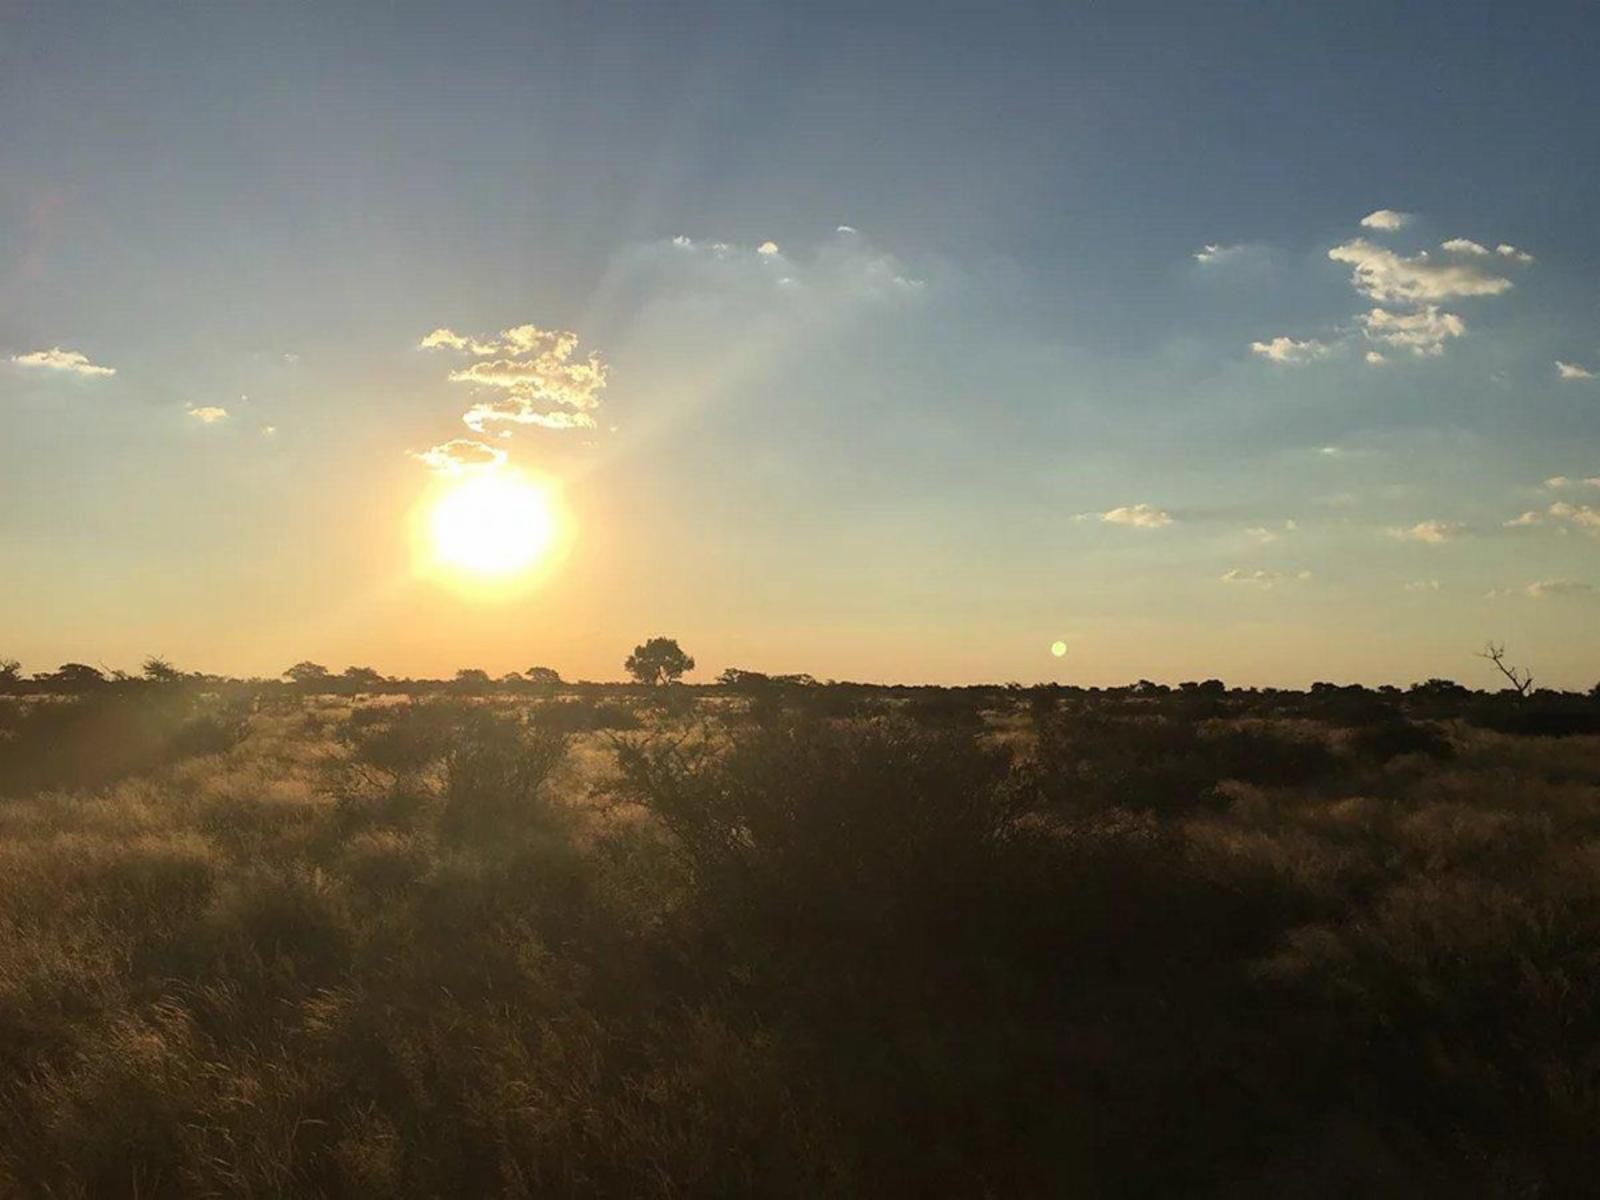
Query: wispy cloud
x,y
1558,587
1139,516
1566,370
1291,352
1431,532
208,414
1423,332
460,455
1580,516
1558,482
1212,254
531,375
1263,578
1387,277
1386,219
70,362
1422,585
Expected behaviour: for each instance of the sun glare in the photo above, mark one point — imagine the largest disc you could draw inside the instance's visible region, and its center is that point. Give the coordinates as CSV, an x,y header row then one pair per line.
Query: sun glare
x,y
492,525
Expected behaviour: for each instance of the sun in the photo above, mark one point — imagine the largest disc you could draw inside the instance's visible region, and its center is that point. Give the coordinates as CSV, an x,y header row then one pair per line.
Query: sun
x,y
492,525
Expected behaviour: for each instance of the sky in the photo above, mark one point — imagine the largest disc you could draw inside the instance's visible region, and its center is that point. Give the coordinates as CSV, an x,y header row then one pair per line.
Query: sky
x,y
883,342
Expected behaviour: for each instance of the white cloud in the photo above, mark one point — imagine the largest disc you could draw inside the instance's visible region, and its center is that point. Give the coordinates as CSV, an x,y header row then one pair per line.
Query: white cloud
x,y
767,248
57,359
1397,278
1515,255
1423,331
1431,532
1261,577
1558,587
1386,219
459,455
1261,533
1582,516
1565,370
268,430
1290,352
1464,246
1374,359
847,229
1422,585
537,378
1140,516
1557,482
1212,254
208,414
1531,517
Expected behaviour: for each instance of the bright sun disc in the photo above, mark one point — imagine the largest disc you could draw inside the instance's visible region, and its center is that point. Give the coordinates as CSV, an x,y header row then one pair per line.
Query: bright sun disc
x,y
494,524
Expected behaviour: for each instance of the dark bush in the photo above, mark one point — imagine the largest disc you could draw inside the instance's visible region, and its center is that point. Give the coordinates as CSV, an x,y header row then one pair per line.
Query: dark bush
x,y
1391,739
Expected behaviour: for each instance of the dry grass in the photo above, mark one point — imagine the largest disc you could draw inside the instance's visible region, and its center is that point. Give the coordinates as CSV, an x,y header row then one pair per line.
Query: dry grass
x,y
751,952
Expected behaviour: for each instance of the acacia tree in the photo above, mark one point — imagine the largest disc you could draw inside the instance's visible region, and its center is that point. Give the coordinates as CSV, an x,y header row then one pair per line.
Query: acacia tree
x,y
546,677
307,674
158,670
1521,680
657,661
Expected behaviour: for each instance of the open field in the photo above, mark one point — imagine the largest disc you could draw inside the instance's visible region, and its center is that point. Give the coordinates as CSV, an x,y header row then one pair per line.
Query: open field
x,y
799,941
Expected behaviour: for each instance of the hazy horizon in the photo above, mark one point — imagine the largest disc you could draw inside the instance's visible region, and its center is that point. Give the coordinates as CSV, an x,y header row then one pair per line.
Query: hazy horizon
x,y
890,345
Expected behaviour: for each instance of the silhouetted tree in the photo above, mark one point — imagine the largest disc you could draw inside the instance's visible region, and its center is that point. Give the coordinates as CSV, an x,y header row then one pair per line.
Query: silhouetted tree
x,y
545,677
307,674
363,679
738,677
158,670
1520,680
10,673
659,660
472,680
74,677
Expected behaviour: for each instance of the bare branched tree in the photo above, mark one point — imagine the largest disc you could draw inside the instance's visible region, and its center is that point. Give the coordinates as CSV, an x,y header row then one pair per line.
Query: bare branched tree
x,y
1521,680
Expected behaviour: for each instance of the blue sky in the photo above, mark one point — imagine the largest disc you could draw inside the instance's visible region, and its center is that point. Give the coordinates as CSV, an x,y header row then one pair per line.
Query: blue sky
x,y
1013,399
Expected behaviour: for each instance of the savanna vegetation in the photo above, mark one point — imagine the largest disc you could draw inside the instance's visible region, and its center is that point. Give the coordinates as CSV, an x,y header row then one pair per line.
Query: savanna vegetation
x,y
345,936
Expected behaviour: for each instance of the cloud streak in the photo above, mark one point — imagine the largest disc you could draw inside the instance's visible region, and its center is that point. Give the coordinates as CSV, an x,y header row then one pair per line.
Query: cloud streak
x,y
525,375
69,362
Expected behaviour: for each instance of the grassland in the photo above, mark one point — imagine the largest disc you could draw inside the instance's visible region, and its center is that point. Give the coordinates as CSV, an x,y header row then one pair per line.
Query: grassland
x,y
798,942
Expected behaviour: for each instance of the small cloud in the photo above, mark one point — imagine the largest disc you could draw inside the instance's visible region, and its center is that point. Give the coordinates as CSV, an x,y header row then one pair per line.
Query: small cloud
x,y
768,248
1531,517
1515,255
1211,254
1374,359
1290,352
459,455
68,361
1465,246
1557,482
1262,577
1581,516
1262,534
1139,516
1386,219
1422,585
269,430
1423,331
1431,532
538,379
291,359
847,229
208,414
1387,277
1557,587
1565,370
